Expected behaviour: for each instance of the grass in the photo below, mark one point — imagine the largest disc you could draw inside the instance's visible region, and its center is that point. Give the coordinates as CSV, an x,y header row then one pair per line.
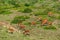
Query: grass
x,y
5,12
26,11
50,28
19,19
6,35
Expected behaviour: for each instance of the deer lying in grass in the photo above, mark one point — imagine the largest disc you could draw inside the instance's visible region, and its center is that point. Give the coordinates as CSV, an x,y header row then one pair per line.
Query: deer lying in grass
x,y
8,26
33,23
11,30
40,19
49,23
21,26
26,32
49,14
45,21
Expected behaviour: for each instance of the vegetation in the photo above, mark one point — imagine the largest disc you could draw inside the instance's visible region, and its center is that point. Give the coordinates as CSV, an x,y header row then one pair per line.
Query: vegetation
x,y
19,19
27,10
50,27
4,12
30,18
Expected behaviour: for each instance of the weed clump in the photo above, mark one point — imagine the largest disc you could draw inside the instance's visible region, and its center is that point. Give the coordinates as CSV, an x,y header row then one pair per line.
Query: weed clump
x,y
50,27
27,10
19,19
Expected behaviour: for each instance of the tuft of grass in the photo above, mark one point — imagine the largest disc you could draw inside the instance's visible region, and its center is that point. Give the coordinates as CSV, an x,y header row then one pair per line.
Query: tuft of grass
x,y
26,23
38,13
5,12
59,17
50,27
27,10
27,5
19,19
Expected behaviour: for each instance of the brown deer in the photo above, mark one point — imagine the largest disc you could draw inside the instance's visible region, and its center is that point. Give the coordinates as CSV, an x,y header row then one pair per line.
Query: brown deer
x,y
21,26
11,29
45,21
26,32
33,23
40,18
49,23
49,14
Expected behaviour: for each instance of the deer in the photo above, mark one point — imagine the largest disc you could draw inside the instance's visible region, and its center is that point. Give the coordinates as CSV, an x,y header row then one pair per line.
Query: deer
x,y
49,14
45,21
26,32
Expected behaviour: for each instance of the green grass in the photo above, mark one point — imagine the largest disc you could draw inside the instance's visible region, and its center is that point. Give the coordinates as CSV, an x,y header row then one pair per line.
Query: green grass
x,y
5,12
5,35
26,11
49,28
19,19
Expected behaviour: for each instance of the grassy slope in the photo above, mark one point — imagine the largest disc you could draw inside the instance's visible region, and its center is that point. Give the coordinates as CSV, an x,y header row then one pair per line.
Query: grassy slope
x,y
38,32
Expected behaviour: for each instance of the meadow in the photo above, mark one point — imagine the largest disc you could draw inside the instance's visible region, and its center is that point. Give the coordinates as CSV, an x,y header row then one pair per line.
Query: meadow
x,y
29,19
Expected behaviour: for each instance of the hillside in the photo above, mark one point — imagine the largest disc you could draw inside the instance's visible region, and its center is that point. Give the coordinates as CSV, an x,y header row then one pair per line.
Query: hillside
x,y
29,19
